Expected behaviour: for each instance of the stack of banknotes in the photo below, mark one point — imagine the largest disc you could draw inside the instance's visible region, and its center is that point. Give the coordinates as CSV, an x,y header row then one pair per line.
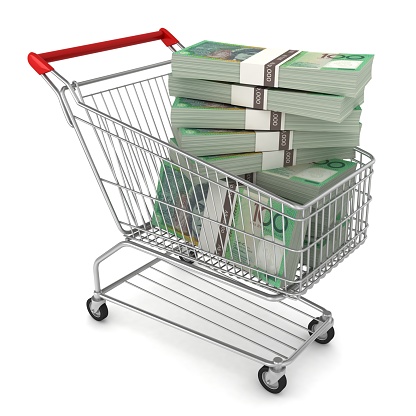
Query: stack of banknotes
x,y
241,99
286,119
236,224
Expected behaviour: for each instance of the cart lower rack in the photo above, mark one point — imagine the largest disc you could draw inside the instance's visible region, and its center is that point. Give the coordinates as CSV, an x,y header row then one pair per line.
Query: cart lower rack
x,y
178,209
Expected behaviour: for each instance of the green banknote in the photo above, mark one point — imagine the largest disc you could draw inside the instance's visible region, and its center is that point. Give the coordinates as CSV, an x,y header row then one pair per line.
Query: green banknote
x,y
332,73
306,103
201,142
303,183
263,232
189,112
238,53
219,51
176,199
181,102
321,242
316,174
248,162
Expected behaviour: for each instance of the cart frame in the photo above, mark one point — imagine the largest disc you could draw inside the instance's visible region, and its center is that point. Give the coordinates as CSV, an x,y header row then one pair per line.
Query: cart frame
x,y
166,247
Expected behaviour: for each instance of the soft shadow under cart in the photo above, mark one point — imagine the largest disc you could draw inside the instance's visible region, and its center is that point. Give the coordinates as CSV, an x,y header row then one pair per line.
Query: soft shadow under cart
x,y
123,123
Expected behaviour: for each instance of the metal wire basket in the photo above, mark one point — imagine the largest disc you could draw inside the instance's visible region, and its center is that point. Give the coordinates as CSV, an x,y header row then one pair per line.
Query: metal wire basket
x,y
176,206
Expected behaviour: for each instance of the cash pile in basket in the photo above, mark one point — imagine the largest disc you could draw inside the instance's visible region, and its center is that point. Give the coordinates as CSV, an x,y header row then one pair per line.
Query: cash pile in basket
x,y
287,121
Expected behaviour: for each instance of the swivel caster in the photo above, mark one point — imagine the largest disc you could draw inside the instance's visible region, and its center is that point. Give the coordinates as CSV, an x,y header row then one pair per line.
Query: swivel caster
x,y
191,253
270,381
99,314
324,338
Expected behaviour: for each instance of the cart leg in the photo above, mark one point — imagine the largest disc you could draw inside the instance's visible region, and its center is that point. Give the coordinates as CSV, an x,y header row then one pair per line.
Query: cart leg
x,y
96,305
324,311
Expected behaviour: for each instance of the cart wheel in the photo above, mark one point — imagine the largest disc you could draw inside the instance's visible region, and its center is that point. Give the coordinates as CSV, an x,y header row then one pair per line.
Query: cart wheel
x,y
324,338
102,311
191,254
275,388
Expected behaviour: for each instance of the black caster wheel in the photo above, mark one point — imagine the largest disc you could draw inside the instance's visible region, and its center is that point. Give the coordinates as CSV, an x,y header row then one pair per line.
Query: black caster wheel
x,y
102,312
324,338
191,254
274,388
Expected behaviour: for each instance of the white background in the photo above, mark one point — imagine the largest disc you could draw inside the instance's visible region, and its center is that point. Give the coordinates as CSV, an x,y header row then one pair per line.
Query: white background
x,y
55,360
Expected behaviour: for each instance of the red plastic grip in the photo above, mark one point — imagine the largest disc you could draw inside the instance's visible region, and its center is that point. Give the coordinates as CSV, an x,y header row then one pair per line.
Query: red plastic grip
x,y
40,62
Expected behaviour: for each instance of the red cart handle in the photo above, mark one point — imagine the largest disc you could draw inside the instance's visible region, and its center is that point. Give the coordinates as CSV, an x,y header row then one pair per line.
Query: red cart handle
x,y
40,62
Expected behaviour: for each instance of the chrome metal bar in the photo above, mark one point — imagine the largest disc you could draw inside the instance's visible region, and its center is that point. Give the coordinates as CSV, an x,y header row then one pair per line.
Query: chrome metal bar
x,y
208,320
312,304
110,136
94,169
106,153
146,185
127,175
312,278
60,99
297,310
157,109
134,110
141,107
119,74
167,112
190,331
101,258
220,313
222,278
134,158
213,221
148,107
244,299
324,328
130,275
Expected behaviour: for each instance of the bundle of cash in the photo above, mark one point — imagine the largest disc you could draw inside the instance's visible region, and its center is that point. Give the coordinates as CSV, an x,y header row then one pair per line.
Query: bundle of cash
x,y
200,142
331,73
195,211
188,112
240,163
303,183
333,108
257,234
261,235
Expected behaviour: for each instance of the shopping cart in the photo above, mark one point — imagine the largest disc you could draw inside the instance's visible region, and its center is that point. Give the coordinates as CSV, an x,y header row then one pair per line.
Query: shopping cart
x,y
159,198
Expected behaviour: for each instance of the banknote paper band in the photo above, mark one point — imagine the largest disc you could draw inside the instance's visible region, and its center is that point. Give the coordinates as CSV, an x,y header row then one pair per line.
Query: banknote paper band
x,y
227,214
252,97
263,67
264,120
278,159
249,177
267,141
